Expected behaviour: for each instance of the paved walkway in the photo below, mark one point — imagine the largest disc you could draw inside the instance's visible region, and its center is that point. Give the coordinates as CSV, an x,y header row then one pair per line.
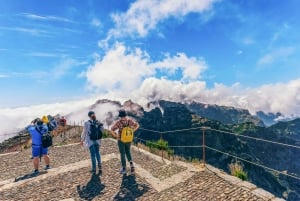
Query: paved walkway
x,y
155,179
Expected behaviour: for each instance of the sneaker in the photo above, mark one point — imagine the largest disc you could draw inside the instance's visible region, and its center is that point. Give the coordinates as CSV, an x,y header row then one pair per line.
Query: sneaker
x,y
123,171
47,167
35,172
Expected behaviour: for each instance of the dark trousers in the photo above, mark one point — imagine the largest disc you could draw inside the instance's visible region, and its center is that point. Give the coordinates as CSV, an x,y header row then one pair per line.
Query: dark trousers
x,y
124,149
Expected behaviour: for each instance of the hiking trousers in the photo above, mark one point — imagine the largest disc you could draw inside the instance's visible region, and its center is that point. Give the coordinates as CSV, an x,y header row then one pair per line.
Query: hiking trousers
x,y
124,149
95,155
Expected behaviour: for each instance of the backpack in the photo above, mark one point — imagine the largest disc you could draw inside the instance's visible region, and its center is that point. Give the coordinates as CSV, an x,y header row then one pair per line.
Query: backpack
x,y
62,122
127,134
46,138
95,130
52,125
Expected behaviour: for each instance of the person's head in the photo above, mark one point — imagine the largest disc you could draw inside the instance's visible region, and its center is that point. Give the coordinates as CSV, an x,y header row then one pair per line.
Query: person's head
x,y
62,117
39,122
92,115
45,119
122,114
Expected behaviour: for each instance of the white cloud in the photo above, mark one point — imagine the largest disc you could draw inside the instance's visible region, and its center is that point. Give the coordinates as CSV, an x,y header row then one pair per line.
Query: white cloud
x,y
279,97
4,76
32,31
45,54
63,67
239,52
144,15
248,41
46,17
124,68
96,22
119,69
276,55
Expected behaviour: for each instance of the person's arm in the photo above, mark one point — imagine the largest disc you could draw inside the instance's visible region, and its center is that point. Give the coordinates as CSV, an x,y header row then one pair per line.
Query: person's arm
x,y
134,125
113,130
84,132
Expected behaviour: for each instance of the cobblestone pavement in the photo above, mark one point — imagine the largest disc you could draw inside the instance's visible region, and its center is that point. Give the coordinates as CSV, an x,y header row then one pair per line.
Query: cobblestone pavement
x,y
15,165
82,185
205,186
79,184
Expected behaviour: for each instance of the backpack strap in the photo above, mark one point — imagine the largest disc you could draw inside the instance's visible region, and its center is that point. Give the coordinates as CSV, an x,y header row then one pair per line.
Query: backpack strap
x,y
38,131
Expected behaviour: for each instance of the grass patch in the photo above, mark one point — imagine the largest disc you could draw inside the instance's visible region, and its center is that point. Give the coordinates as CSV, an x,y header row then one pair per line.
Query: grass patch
x,y
236,169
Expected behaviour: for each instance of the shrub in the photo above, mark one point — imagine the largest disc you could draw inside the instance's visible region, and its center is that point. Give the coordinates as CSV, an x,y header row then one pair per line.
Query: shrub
x,y
159,144
236,169
242,175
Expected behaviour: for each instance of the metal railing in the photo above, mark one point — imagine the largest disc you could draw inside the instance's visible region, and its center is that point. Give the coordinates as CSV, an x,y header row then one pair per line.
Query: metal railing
x,y
205,147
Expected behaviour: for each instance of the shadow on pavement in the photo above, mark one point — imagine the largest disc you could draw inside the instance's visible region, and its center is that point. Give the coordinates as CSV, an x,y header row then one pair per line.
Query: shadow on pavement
x,y
28,176
130,190
92,189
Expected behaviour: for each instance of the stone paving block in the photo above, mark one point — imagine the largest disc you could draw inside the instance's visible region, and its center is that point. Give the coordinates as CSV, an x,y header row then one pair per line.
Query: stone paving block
x,y
278,199
262,193
231,179
247,185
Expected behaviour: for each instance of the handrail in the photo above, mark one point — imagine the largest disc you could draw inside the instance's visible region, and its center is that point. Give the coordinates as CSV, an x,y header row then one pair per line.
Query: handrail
x,y
253,163
228,154
254,138
225,132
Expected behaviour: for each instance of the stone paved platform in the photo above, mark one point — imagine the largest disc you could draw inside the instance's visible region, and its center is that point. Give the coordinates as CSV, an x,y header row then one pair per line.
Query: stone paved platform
x,y
155,179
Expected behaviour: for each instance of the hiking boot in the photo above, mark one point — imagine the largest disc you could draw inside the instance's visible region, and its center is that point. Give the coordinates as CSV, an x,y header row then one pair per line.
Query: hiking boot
x,y
123,171
47,167
132,169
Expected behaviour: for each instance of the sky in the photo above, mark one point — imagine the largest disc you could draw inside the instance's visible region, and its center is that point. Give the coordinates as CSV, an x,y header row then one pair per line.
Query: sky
x,y
59,56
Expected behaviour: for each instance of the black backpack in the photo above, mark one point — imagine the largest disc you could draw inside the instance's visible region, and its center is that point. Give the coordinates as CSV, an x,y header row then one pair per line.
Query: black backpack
x,y
46,138
95,130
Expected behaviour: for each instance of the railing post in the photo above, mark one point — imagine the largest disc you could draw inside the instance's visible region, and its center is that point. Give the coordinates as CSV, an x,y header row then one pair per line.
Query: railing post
x,y
162,153
203,145
20,141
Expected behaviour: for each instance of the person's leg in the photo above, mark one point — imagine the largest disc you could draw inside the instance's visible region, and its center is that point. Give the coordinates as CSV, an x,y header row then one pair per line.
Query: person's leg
x,y
35,156
97,152
46,158
36,163
93,157
128,155
121,146
127,151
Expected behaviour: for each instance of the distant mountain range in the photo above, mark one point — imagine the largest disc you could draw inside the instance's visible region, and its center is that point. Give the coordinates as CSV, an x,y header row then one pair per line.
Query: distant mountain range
x,y
169,116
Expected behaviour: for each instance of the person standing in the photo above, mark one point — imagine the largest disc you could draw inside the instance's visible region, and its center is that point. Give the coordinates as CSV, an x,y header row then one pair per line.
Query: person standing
x,y
63,123
124,147
89,140
36,130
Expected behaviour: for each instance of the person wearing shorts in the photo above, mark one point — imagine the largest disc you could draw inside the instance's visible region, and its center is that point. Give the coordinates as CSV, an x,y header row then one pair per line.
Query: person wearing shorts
x,y
36,129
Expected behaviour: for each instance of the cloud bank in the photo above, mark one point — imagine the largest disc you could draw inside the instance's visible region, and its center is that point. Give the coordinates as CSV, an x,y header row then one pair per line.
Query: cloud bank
x,y
124,73
144,15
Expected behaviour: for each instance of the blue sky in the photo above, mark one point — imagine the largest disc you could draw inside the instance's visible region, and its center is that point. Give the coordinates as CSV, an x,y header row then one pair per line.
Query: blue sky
x,y
54,51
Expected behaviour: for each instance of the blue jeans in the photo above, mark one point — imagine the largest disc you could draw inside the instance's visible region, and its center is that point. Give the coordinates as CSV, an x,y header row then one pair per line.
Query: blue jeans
x,y
95,155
